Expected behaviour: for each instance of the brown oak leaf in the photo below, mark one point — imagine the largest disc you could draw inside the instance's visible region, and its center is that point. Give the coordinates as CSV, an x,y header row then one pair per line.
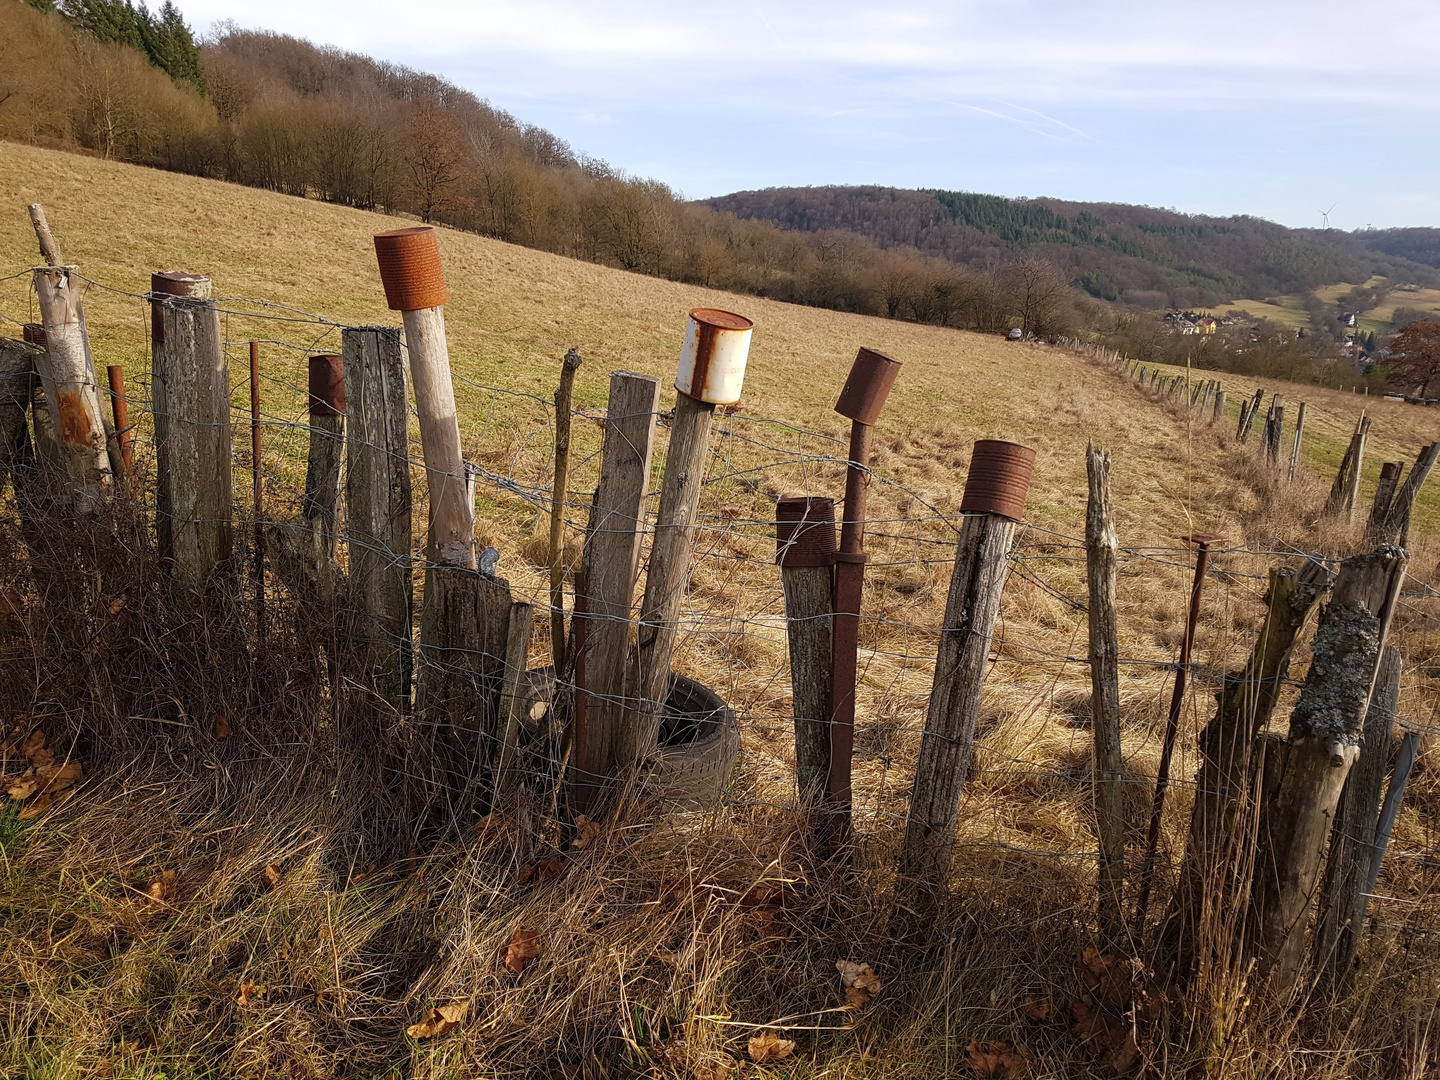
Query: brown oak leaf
x,y
162,886
860,982
221,727
996,1059
523,948
1109,977
248,992
546,870
586,832
273,876
767,1047
1037,1007
439,1021
716,1068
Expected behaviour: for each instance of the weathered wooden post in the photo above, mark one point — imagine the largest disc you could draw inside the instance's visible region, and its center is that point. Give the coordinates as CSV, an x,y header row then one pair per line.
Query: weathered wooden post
x,y
611,566
1203,543
512,693
1248,414
1390,473
1396,526
327,447
1325,730
805,550
190,388
17,387
464,622
1295,449
1274,425
378,509
1215,873
257,491
1219,413
1344,493
993,504
557,509
1390,808
1101,550
711,372
1344,896
861,400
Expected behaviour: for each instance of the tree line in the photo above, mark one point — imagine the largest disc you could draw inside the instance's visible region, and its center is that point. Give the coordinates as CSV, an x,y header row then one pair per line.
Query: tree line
x,y
277,112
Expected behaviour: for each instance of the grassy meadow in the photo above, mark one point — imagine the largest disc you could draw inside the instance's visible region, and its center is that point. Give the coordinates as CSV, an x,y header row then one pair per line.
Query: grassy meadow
x,y
668,942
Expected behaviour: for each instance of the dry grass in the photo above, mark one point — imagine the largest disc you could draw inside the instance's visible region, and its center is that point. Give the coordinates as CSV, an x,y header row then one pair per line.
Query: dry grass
x,y
667,936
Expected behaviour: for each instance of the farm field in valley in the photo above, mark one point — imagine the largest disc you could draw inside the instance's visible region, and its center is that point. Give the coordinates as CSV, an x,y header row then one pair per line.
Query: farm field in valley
x,y
87,966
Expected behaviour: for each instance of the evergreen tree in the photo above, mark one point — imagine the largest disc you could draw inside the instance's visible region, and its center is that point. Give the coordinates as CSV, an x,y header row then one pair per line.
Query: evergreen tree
x,y
164,38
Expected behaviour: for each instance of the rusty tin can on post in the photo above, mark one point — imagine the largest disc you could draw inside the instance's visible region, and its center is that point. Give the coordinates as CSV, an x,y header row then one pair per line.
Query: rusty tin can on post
x,y
410,269
713,356
999,479
805,531
868,385
327,384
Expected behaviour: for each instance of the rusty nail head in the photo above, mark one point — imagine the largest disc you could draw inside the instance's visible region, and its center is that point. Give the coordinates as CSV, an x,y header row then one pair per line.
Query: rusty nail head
x,y
410,269
1204,540
868,385
999,479
34,333
327,385
805,531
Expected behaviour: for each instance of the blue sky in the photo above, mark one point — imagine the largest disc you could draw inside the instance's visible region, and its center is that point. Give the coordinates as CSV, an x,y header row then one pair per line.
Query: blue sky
x,y
1279,109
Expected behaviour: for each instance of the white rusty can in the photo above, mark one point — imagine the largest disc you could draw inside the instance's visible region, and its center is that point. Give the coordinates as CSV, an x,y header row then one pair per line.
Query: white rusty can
x,y
712,360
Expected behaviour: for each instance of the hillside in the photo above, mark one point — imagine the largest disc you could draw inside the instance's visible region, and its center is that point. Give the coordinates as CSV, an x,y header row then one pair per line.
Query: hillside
x,y
1138,254
668,942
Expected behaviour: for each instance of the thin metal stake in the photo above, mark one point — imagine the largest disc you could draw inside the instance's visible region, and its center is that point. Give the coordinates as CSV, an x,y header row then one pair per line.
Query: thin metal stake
x,y
255,452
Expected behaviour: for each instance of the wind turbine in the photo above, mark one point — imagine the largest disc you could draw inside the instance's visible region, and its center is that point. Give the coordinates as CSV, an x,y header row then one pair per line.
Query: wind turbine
x,y
1325,216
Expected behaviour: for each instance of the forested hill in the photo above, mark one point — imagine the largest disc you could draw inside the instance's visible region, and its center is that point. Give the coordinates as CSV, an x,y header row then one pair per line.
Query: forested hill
x,y
1113,251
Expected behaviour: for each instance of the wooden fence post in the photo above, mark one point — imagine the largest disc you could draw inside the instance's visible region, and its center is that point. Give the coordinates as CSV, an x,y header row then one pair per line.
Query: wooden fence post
x,y
1247,415
558,495
1219,413
512,693
1390,809
1101,549
805,551
1274,428
17,383
711,373
1215,874
190,388
1396,526
612,563
1390,473
1295,449
1325,729
1343,899
327,446
993,502
378,508
1345,490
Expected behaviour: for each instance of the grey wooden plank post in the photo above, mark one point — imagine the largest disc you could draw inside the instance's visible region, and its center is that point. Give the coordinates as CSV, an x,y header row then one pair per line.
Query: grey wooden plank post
x,y
1345,490
190,388
1390,809
1325,730
512,692
1343,898
993,503
378,509
1101,550
805,550
17,383
612,563
1219,413
1295,449
322,469
1396,526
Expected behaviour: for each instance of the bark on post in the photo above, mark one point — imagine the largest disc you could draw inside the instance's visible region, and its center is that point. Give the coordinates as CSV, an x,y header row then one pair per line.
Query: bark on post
x,y
1396,527
612,563
1325,730
993,502
1216,871
712,372
558,495
1344,899
190,387
1101,549
1295,448
84,477
805,550
378,509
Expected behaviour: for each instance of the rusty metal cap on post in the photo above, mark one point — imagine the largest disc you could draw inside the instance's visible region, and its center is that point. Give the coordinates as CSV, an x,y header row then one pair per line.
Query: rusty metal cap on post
x,y
1388,471
999,479
410,269
871,377
713,356
805,531
34,333
327,385
173,283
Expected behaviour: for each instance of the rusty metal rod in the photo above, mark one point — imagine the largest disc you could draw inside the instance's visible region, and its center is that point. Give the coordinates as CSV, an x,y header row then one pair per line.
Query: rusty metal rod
x,y
1172,726
849,585
120,409
255,454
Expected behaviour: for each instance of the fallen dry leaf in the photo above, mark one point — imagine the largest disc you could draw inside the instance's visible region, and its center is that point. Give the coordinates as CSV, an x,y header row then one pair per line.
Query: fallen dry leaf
x,y
996,1059
116,606
586,832
860,982
44,779
767,1047
162,886
524,947
248,992
37,806
1109,977
714,1069
273,876
1037,1007
33,745
440,1020
221,728
548,869
24,787
1104,1035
